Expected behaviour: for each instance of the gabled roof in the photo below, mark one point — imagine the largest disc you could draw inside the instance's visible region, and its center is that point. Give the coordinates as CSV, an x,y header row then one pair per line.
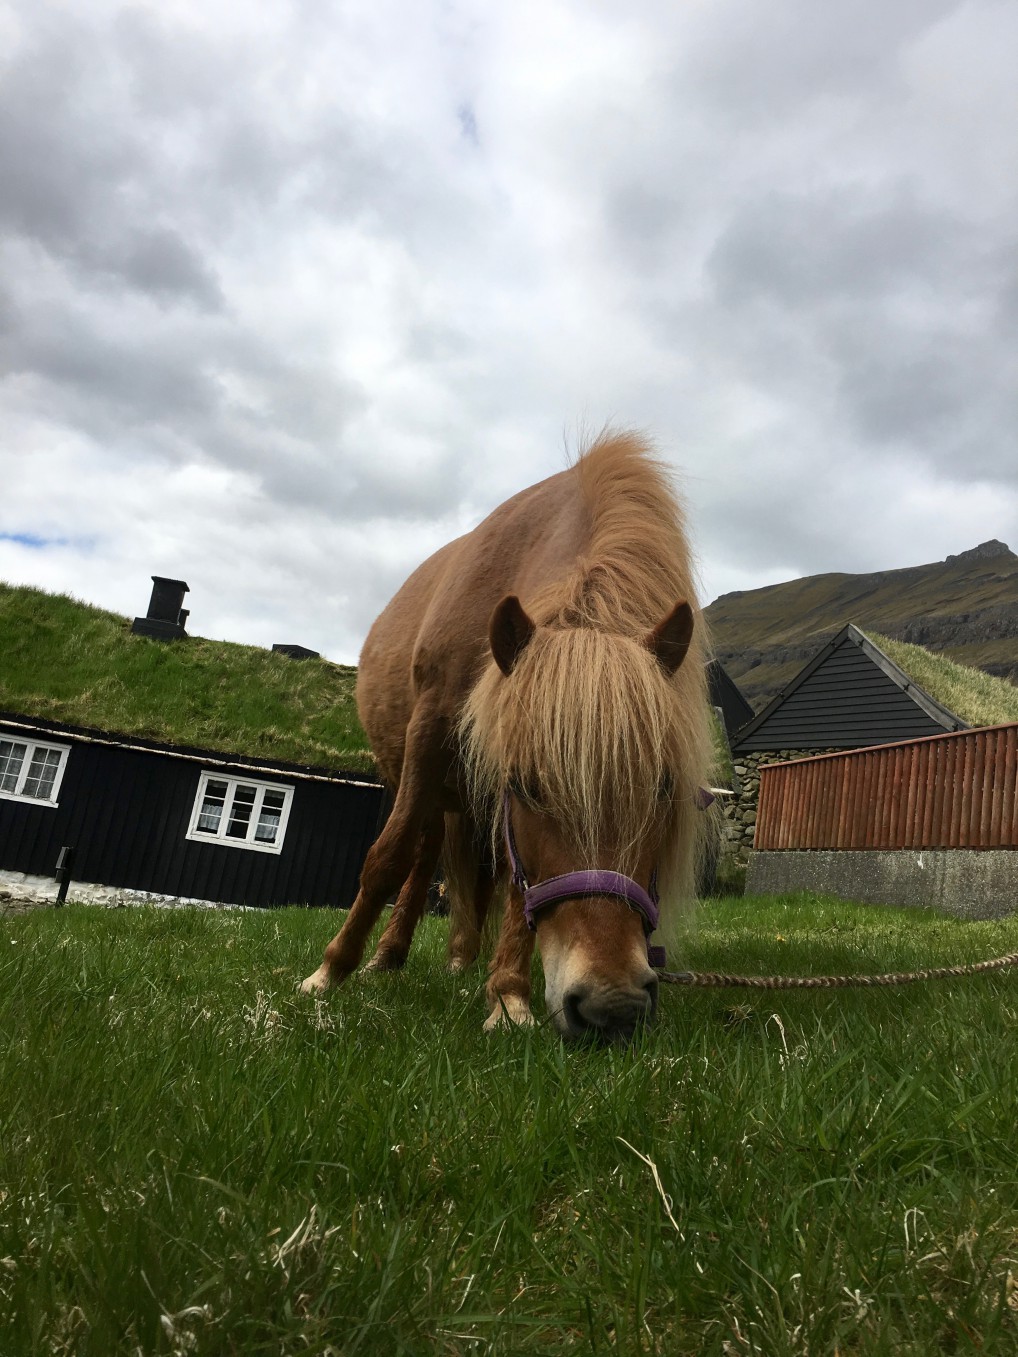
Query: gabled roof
x,y
726,694
849,695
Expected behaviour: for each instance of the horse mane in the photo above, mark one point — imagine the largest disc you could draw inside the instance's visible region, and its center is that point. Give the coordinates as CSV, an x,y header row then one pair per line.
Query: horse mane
x,y
588,722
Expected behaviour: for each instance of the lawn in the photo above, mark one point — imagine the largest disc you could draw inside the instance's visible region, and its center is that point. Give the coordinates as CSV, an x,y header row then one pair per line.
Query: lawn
x,y
194,1159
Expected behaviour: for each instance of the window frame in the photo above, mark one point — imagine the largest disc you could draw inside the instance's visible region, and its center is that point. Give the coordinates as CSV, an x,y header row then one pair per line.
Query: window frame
x,y
31,746
196,835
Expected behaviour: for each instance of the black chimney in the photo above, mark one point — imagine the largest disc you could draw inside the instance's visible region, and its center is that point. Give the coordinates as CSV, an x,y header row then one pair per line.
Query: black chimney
x,y
166,617
297,652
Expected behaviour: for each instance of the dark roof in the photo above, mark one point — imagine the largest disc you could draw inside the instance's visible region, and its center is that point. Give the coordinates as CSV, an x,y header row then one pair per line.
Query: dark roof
x,y
726,694
849,695
208,757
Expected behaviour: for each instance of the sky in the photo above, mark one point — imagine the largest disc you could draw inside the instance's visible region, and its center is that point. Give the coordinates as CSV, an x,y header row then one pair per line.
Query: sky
x,y
293,293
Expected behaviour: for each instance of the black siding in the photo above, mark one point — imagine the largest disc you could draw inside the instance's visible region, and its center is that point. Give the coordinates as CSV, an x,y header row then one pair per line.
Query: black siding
x,y
847,702
726,694
126,813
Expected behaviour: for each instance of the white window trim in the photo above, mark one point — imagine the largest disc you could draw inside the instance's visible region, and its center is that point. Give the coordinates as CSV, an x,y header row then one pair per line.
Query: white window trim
x,y
220,837
17,795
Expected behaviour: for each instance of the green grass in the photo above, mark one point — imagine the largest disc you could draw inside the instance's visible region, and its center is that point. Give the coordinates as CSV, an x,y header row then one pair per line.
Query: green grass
x,y
978,698
194,1159
67,661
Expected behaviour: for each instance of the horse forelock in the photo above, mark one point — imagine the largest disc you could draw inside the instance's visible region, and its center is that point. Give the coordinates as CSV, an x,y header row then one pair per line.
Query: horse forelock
x,y
612,747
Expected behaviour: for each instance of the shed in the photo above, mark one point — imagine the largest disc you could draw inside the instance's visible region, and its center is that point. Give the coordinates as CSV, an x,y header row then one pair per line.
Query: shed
x,y
848,696
179,821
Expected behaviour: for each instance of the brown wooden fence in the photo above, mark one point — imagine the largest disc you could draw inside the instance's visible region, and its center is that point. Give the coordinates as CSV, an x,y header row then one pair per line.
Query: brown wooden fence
x,y
945,791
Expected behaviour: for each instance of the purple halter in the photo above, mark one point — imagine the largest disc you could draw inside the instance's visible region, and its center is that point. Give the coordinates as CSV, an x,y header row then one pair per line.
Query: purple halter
x,y
580,885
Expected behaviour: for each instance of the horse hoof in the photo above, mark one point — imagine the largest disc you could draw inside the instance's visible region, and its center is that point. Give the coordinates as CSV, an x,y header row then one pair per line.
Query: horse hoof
x,y
318,982
385,961
510,1011
456,965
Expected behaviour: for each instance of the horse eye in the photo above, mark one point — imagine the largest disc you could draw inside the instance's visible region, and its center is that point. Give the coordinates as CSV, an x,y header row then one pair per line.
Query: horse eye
x,y
525,790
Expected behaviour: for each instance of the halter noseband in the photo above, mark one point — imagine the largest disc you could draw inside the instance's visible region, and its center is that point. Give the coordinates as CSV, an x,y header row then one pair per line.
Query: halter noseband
x,y
582,885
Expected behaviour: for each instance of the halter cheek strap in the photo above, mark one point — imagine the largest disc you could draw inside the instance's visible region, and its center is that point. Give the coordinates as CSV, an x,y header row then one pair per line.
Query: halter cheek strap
x,y
582,885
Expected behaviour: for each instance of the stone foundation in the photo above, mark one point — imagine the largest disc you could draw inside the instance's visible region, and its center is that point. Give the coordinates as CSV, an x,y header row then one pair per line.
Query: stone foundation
x,y
18,889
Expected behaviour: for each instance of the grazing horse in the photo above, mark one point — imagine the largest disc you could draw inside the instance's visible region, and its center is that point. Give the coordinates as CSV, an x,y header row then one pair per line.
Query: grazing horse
x,y
535,695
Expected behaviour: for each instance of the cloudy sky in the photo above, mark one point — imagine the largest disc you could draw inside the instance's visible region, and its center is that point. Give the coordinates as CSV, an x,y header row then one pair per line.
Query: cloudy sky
x,y
292,293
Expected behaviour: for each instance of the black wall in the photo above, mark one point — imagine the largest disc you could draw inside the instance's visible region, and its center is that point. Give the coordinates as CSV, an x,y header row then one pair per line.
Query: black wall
x,y
126,814
726,694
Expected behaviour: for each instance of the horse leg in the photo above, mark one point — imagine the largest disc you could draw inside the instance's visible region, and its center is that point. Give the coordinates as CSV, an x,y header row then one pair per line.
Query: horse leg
x,y
467,924
508,987
391,857
470,880
394,944
386,866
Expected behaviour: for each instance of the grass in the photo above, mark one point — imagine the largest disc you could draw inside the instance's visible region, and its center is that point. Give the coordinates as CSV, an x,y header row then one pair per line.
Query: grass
x,y
196,1160
67,661
978,698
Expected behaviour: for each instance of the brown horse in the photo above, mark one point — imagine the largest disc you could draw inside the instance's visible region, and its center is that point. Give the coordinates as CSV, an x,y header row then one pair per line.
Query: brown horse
x,y
542,675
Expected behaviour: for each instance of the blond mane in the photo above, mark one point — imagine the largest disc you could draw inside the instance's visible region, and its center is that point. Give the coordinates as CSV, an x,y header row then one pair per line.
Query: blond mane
x,y
588,722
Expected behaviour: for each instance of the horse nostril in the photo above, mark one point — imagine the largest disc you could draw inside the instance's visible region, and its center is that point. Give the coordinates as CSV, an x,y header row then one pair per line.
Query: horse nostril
x,y
613,1015
571,1008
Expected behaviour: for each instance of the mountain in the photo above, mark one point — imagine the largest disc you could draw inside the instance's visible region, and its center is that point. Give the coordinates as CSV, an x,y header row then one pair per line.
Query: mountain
x,y
965,607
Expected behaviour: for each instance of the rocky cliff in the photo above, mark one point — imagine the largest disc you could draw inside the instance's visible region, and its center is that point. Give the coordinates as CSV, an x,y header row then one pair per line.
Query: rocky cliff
x,y
965,607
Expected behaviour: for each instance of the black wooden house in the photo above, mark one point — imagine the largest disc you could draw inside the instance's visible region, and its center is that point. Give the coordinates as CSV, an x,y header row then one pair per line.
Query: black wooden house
x,y
848,696
177,821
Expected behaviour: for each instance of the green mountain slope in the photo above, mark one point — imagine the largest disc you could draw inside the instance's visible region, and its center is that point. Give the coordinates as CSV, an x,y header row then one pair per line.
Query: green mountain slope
x,y
68,661
965,607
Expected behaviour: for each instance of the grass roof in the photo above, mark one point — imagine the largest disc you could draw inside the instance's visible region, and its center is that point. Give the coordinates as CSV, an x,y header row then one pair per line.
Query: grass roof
x,y
65,660
979,699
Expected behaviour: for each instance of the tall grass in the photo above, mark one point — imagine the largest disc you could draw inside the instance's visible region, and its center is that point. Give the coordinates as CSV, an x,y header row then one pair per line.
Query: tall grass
x,y
978,698
68,661
195,1159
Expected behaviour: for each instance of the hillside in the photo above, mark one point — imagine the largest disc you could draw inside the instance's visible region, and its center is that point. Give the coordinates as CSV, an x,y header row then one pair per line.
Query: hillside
x,y
68,661
965,608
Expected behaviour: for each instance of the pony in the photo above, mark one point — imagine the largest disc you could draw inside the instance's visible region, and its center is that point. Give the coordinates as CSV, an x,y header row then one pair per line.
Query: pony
x,y
535,697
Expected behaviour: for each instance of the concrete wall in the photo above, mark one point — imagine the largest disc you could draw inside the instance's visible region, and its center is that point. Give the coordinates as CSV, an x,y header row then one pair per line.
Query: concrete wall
x,y
968,883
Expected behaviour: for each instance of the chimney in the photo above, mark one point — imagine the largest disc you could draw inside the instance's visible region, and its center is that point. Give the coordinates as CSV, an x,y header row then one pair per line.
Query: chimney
x,y
297,652
166,615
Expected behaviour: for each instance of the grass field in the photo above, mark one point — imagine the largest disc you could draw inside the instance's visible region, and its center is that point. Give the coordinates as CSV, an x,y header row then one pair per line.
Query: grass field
x,y
196,1160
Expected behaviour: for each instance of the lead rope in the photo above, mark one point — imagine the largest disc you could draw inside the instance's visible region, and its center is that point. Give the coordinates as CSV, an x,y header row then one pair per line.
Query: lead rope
x,y
716,980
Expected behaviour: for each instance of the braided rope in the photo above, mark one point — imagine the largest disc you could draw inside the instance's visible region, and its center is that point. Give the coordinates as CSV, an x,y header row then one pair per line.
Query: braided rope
x,y
715,980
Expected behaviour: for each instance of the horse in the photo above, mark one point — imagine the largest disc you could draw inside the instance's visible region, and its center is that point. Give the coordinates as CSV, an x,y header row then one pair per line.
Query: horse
x,y
535,696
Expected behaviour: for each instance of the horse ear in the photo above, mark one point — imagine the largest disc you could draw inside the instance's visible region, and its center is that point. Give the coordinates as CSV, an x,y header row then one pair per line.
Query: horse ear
x,y
509,633
669,640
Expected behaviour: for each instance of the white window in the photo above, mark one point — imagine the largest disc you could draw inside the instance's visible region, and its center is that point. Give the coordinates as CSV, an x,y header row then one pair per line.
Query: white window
x,y
240,813
31,771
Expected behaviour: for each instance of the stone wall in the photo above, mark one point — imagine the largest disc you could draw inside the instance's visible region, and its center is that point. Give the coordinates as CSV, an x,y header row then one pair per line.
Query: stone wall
x,y
740,810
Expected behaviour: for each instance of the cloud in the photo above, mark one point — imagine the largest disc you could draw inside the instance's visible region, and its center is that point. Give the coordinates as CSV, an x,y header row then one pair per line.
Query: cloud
x,y
289,296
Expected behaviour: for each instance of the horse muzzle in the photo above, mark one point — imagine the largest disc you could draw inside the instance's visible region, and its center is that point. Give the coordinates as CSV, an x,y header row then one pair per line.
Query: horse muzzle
x,y
598,982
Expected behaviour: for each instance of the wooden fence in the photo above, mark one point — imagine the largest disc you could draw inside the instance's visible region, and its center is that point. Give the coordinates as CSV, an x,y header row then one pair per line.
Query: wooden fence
x,y
944,791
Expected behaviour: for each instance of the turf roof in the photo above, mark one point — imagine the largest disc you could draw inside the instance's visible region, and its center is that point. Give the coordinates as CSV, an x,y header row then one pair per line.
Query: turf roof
x,y
65,660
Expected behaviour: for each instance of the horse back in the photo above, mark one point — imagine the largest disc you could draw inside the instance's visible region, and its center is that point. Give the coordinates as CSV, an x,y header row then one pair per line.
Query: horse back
x,y
430,644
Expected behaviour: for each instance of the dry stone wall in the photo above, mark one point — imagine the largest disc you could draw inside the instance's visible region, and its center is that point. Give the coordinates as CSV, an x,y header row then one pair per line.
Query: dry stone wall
x,y
740,809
